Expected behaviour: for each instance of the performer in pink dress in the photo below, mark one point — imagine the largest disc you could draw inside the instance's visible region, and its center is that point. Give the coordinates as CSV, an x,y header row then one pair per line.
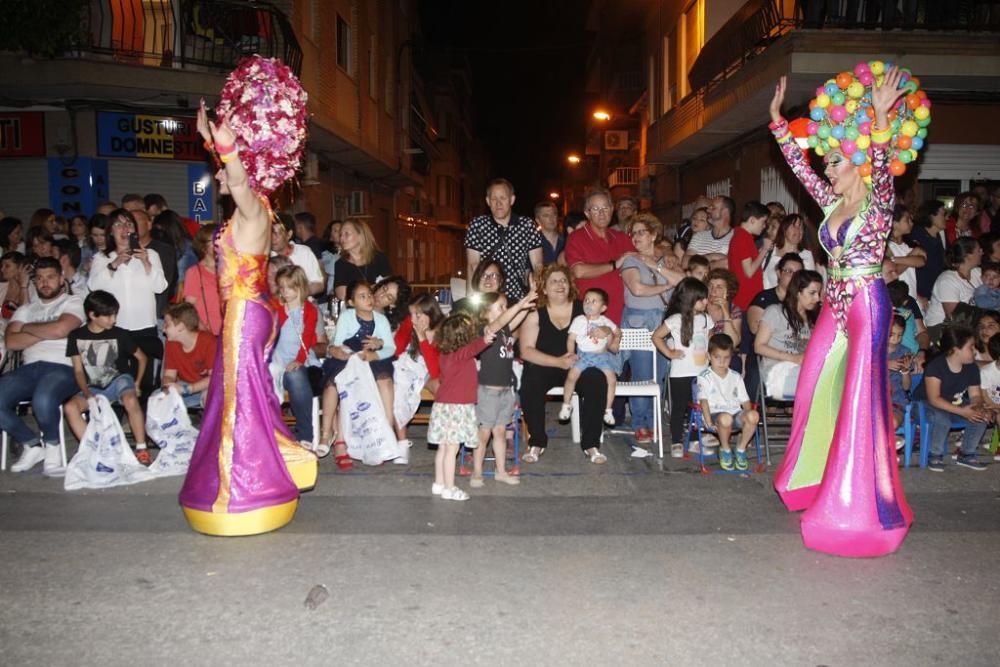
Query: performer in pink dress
x,y
247,469
840,464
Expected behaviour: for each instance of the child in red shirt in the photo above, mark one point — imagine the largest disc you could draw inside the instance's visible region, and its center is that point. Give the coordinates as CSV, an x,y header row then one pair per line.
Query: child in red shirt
x,y
189,355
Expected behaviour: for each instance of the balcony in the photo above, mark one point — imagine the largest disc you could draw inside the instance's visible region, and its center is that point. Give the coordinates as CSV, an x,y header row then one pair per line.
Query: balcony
x,y
623,176
952,47
182,46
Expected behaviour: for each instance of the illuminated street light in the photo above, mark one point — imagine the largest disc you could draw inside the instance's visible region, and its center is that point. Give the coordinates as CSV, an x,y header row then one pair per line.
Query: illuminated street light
x,y
574,159
600,114
553,195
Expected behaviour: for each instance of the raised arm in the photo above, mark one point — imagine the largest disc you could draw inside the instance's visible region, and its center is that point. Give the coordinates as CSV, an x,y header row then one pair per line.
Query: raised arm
x,y
251,223
796,158
883,99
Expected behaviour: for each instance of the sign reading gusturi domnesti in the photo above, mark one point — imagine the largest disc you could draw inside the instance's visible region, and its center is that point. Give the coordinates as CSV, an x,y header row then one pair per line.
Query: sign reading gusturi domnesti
x,y
146,136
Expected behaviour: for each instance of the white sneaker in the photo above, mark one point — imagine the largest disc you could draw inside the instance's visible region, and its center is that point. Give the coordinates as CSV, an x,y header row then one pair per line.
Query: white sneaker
x,y
30,457
565,412
677,450
404,453
53,466
609,417
437,489
454,493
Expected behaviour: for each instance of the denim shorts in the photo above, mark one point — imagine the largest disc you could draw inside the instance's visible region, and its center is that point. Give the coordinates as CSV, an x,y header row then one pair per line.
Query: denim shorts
x,y
600,360
737,419
113,392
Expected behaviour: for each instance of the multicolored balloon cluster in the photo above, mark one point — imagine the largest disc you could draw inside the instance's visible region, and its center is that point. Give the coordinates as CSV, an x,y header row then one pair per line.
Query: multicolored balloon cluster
x,y
841,116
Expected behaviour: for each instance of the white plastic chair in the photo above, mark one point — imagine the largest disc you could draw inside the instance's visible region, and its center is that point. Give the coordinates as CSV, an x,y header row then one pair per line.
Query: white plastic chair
x,y
641,340
5,440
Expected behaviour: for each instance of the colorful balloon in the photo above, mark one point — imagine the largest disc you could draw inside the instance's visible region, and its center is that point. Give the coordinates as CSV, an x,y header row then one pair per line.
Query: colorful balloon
x,y
838,114
858,158
897,168
823,101
817,114
844,79
837,132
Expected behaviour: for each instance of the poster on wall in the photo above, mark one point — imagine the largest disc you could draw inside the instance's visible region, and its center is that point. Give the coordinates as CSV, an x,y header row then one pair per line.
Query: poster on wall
x,y
200,191
77,187
147,136
22,134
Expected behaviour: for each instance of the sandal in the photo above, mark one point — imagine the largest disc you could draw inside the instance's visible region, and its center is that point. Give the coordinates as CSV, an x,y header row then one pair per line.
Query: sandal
x,y
533,454
343,461
596,456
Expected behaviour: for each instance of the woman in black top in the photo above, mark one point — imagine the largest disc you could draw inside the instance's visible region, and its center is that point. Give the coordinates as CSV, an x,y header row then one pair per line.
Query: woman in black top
x,y
543,339
360,258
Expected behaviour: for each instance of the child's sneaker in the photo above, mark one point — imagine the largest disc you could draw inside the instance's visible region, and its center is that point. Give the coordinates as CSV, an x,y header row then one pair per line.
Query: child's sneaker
x,y
935,465
454,493
609,417
726,460
741,461
565,412
677,450
437,489
971,462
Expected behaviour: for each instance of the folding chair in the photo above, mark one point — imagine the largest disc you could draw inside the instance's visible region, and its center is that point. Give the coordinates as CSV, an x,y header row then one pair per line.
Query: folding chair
x,y
696,421
641,340
5,439
784,401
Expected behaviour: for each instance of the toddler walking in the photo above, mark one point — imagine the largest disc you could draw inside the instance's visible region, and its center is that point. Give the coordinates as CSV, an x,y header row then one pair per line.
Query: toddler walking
x,y
593,347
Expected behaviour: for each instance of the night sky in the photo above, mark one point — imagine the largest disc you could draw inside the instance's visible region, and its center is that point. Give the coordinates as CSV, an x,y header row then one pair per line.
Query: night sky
x,y
528,63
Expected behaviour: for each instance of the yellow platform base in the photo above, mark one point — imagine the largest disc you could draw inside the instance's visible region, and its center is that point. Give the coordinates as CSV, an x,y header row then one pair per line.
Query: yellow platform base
x,y
235,524
304,473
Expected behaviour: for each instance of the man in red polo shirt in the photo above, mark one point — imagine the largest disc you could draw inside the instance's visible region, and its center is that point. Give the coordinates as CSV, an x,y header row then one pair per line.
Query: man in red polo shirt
x,y
595,253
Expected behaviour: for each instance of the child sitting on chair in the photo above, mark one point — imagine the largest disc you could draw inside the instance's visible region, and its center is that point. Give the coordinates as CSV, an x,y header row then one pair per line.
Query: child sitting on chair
x,y
593,346
725,404
900,365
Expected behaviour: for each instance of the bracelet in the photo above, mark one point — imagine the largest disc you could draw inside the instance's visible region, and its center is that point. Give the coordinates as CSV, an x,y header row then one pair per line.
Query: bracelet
x,y
229,157
225,150
612,263
881,135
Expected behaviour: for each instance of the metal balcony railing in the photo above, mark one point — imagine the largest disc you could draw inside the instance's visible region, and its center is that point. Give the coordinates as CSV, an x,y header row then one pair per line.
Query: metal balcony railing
x,y
212,34
759,23
624,176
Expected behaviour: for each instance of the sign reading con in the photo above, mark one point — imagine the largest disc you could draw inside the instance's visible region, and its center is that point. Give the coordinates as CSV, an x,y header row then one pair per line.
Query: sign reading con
x,y
22,134
77,187
157,137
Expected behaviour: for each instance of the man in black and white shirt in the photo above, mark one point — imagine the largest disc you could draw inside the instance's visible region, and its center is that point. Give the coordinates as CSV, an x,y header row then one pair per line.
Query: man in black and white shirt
x,y
713,243
513,241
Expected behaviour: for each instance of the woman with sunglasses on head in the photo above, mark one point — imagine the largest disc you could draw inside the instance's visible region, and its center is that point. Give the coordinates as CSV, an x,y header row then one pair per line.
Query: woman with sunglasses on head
x,y
840,464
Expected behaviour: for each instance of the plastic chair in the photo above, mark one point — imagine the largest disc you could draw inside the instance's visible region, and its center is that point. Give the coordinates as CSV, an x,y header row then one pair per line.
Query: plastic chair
x,y
697,423
641,340
957,423
762,398
907,430
5,439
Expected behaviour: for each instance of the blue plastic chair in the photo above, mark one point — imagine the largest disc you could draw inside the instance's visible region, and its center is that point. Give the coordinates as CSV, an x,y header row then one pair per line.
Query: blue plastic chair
x,y
696,422
907,429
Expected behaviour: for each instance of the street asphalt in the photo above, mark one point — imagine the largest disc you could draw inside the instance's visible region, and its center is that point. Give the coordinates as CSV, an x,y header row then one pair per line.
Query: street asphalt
x,y
635,562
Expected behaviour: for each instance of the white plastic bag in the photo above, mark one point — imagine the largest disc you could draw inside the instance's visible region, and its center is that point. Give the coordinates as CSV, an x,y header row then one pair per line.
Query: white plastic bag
x,y
409,377
168,423
104,458
363,425
781,380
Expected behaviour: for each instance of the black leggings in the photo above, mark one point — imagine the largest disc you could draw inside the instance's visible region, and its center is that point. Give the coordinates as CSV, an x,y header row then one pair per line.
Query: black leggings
x,y
592,388
680,398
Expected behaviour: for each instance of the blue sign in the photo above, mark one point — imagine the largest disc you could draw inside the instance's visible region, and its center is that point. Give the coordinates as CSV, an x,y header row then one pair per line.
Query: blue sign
x,y
78,187
200,190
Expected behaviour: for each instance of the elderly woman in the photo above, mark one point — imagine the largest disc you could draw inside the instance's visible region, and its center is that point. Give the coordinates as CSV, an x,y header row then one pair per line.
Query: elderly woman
x,y
543,341
647,279
201,285
360,258
964,220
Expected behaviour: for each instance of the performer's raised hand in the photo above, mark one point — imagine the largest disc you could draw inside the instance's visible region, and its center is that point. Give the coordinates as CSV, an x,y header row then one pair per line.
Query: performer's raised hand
x,y
219,133
778,99
884,96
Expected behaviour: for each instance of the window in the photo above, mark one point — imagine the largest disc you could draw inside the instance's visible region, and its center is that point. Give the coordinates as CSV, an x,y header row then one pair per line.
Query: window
x,y
344,46
668,87
372,69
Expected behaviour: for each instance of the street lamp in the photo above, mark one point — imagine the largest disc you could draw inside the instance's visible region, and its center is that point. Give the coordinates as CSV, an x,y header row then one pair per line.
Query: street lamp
x,y
573,158
602,115
553,195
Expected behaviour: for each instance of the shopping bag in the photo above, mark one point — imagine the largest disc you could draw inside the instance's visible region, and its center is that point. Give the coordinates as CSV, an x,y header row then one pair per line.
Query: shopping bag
x,y
409,377
168,423
104,458
363,425
781,380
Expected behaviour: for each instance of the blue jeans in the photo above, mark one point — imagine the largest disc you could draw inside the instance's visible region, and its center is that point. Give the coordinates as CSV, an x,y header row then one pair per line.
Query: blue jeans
x,y
300,397
47,386
641,363
940,425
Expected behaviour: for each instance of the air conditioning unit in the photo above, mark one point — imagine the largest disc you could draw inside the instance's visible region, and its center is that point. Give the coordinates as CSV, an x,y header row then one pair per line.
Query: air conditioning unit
x,y
310,170
358,204
616,140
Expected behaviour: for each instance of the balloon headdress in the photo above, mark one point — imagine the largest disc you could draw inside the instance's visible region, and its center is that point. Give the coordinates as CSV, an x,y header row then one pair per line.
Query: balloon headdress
x,y
841,116
268,106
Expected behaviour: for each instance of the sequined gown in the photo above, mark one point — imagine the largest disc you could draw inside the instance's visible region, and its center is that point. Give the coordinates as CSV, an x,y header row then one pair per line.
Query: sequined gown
x,y
840,464
239,481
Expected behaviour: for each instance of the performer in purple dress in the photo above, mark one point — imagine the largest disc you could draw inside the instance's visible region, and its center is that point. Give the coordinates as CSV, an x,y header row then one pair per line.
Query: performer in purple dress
x,y
247,469
840,464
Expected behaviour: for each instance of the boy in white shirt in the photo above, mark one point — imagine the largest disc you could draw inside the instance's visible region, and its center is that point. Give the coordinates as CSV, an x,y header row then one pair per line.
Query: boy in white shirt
x,y
989,382
593,347
725,404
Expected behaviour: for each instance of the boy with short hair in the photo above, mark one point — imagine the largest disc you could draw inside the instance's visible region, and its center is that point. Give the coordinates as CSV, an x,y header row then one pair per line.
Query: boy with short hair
x,y
725,404
698,267
189,354
987,295
101,354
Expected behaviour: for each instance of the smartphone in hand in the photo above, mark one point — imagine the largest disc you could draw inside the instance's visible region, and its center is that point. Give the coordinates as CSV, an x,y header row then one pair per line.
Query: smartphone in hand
x,y
133,242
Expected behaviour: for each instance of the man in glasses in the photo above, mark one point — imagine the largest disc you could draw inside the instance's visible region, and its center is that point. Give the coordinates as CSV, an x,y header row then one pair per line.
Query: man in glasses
x,y
511,240
713,243
595,252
